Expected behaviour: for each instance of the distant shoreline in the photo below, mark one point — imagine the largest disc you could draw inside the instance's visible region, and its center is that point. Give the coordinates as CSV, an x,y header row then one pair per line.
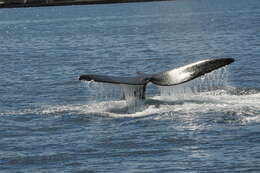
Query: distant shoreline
x,y
46,3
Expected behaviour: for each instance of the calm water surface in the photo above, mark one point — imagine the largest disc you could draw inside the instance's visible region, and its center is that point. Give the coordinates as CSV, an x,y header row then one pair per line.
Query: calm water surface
x,y
51,122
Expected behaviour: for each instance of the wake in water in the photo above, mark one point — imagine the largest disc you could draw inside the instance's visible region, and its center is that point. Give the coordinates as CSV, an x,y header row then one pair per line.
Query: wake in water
x,y
207,96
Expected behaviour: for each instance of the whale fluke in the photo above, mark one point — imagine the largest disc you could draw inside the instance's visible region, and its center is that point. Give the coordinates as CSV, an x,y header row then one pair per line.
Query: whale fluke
x,y
188,72
167,78
139,80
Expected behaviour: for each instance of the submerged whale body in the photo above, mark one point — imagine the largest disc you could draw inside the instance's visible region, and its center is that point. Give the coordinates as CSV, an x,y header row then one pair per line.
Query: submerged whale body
x,y
167,78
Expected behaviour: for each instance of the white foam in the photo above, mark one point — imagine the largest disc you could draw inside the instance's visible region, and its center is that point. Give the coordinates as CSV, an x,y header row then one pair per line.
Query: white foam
x,y
245,107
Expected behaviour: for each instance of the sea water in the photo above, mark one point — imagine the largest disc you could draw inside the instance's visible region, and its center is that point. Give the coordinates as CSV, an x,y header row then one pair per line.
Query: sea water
x,y
52,122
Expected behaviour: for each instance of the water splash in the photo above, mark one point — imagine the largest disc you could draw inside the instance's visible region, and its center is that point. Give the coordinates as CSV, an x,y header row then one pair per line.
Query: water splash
x,y
132,94
194,111
97,92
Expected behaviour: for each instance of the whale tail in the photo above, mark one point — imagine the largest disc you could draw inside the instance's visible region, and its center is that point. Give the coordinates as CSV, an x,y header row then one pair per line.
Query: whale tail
x,y
167,78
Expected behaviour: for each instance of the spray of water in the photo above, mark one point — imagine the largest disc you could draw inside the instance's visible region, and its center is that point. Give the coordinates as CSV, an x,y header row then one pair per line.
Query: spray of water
x,y
98,92
133,94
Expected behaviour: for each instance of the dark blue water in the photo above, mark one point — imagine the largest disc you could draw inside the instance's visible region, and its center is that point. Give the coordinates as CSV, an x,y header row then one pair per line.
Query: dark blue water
x,y
51,122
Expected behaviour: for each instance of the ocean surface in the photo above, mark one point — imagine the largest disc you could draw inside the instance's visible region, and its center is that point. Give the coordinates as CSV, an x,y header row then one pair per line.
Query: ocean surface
x,y
52,122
